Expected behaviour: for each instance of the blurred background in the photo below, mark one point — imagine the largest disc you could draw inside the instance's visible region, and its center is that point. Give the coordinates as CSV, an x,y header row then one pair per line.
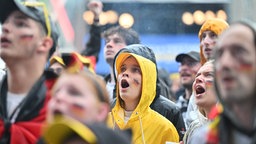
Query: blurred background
x,y
169,27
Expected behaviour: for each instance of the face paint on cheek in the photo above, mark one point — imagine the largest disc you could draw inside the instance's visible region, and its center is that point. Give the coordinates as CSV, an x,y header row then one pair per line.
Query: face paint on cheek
x,y
209,83
246,67
26,36
136,81
77,109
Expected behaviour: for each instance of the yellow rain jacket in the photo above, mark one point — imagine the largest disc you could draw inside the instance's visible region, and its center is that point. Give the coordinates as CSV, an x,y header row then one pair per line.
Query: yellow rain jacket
x,y
148,127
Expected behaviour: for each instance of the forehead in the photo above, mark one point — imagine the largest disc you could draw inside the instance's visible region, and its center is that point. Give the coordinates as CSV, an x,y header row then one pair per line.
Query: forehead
x,y
17,15
130,60
237,34
114,36
207,32
69,77
207,67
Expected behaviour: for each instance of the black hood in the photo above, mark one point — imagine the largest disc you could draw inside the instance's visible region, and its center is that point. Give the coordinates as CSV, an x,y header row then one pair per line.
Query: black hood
x,y
141,50
138,49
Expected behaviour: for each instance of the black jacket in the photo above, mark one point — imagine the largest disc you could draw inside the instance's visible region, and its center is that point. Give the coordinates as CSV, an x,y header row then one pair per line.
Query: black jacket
x,y
169,110
31,115
93,45
160,104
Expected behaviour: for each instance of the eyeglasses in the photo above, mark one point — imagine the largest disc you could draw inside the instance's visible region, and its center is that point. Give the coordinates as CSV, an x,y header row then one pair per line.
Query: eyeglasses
x,y
46,14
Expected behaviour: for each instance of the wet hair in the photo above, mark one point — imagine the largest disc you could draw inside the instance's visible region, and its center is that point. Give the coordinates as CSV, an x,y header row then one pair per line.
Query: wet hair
x,y
129,35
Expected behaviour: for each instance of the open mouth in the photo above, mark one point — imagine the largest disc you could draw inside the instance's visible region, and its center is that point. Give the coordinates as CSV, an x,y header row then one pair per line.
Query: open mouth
x,y
185,75
199,89
4,40
208,50
124,83
57,112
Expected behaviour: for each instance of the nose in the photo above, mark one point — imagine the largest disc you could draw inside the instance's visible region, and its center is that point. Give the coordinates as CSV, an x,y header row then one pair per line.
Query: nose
x,y
59,96
198,79
183,67
225,61
109,44
5,28
207,40
125,74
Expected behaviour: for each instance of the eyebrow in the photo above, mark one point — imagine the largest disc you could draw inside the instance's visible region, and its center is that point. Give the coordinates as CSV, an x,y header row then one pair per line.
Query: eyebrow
x,y
135,65
21,17
123,65
198,74
208,72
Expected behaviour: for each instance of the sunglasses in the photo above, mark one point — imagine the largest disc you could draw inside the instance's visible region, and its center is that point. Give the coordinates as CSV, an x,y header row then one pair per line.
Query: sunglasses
x,y
45,11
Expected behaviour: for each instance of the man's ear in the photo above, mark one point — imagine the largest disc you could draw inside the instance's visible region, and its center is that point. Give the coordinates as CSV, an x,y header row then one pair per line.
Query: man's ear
x,y
104,109
46,44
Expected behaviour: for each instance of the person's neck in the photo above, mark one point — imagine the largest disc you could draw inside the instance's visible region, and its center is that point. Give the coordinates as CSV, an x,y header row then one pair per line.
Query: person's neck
x,y
22,76
130,106
207,110
245,113
188,93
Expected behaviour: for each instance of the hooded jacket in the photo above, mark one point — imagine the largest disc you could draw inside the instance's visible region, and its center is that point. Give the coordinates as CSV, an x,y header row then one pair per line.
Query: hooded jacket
x,y
147,125
160,104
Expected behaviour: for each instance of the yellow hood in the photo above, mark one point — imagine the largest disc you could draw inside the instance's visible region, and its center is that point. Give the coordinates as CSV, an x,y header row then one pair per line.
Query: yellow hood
x,y
148,70
147,125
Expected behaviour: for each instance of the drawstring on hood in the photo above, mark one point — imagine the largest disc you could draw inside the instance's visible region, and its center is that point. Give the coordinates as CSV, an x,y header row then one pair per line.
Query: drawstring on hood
x,y
148,90
147,125
142,132
146,52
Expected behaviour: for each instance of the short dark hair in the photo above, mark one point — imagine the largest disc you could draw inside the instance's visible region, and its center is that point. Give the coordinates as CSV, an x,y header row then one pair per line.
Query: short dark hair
x,y
129,35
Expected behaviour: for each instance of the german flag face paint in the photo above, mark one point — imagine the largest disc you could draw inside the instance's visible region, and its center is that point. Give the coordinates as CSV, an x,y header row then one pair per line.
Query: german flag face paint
x,y
236,64
27,37
203,86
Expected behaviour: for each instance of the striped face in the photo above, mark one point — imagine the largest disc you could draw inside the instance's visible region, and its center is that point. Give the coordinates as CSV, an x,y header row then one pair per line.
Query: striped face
x,y
73,96
203,86
236,64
